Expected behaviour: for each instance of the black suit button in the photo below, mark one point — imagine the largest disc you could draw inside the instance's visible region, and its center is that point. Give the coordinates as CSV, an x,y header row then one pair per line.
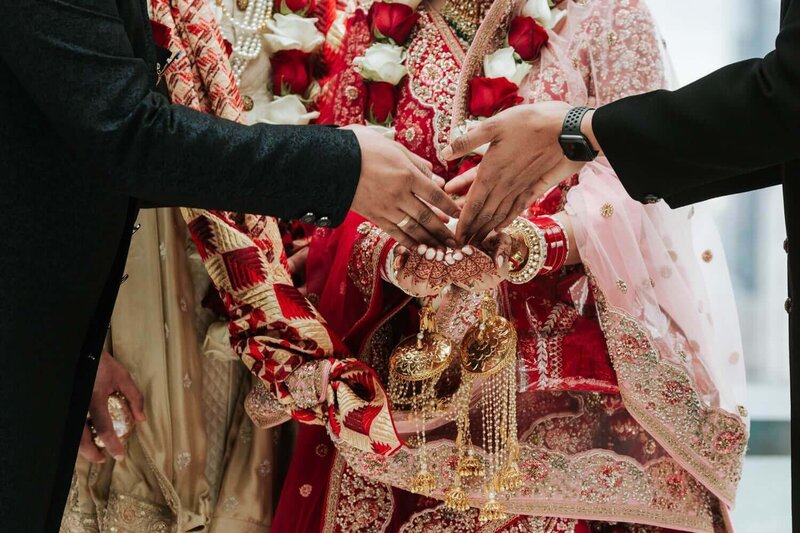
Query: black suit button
x,y
786,245
651,199
788,305
124,278
324,222
308,218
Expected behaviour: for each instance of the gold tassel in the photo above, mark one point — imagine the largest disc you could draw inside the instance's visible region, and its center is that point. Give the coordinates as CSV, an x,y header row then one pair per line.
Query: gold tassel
x,y
455,498
510,478
491,511
470,466
424,482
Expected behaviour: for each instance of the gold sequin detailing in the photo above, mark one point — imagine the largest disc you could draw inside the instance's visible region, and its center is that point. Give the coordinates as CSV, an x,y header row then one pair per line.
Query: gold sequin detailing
x,y
708,255
607,210
247,103
622,286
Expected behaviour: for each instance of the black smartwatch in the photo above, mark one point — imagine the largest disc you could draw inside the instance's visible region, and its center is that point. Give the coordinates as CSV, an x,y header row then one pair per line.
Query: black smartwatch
x,y
574,143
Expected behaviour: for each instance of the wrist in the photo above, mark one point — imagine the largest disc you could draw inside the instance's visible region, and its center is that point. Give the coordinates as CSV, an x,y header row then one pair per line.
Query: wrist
x,y
588,131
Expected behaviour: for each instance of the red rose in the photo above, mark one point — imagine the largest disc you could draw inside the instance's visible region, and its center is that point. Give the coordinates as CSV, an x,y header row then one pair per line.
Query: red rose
x,y
527,38
392,21
291,73
488,96
298,7
381,101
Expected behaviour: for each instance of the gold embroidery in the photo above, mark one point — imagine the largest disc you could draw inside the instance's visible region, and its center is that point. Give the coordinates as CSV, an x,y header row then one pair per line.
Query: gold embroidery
x,y
607,210
708,255
622,286
127,514
363,267
356,504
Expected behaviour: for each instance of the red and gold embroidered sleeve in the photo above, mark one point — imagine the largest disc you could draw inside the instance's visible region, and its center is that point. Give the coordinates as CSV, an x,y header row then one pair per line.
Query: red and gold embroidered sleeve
x,y
282,338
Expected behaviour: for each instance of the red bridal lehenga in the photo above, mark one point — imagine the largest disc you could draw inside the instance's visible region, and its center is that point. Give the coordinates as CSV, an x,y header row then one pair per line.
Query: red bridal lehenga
x,y
628,392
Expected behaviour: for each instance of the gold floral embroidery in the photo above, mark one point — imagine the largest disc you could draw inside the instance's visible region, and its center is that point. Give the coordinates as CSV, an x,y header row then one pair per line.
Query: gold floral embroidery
x,y
356,504
663,398
607,210
363,268
127,514
594,484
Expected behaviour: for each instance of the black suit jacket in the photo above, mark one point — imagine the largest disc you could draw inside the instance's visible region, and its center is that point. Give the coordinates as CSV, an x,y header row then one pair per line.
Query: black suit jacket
x,y
735,130
85,136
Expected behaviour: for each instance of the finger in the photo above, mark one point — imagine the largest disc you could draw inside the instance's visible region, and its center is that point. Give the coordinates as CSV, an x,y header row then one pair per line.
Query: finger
x,y
105,430
483,133
435,196
134,396
418,225
299,244
433,224
395,232
461,183
520,204
87,448
425,166
499,215
483,221
297,261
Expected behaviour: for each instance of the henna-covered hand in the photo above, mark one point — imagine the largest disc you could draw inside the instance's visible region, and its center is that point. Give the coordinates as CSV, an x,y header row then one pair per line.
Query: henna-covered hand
x,y
488,264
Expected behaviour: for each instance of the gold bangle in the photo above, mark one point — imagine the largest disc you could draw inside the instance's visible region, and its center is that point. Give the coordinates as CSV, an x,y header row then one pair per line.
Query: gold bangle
x,y
534,240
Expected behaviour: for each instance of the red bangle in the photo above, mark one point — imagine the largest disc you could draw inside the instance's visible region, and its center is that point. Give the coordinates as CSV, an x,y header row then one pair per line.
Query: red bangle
x,y
557,244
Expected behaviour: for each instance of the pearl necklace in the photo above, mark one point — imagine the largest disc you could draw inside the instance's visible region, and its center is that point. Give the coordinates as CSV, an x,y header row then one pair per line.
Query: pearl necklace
x,y
252,26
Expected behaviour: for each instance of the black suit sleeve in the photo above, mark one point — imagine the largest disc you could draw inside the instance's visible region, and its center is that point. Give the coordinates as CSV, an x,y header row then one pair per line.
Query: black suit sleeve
x,y
724,133
76,61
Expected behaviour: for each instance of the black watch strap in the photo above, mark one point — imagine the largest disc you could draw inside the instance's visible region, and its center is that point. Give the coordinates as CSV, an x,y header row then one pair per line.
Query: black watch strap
x,y
572,122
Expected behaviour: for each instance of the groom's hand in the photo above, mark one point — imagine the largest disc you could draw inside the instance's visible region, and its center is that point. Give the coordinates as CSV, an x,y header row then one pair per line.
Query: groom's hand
x,y
523,162
396,191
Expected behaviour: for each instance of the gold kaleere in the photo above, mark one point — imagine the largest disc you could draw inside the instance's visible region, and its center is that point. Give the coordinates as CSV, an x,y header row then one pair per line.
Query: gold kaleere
x,y
488,353
415,366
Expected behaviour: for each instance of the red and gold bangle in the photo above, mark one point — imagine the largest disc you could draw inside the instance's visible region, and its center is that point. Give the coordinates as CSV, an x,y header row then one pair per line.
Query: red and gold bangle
x,y
556,247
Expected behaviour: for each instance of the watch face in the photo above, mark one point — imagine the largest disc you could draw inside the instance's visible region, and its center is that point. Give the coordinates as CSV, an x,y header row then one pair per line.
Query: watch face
x,y
576,148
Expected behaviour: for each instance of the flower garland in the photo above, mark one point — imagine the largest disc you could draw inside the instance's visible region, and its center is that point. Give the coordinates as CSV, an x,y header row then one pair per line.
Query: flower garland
x,y
505,69
383,64
292,40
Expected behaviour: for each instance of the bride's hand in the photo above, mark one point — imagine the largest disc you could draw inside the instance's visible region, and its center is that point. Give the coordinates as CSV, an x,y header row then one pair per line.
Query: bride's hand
x,y
420,274
489,264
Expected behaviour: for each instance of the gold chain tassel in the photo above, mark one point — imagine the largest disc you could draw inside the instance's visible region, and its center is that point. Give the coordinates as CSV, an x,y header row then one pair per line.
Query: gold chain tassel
x,y
423,483
455,498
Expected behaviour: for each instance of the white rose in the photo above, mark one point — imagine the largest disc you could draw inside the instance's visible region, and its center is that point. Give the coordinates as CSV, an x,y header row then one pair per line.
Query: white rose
x,y
287,110
293,32
503,64
389,133
413,4
539,10
382,62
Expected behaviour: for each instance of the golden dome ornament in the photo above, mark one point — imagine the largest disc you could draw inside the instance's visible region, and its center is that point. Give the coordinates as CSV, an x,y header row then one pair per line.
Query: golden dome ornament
x,y
488,348
415,366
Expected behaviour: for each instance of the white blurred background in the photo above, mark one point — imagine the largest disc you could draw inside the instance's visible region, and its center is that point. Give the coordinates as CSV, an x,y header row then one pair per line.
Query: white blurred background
x,y
702,36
